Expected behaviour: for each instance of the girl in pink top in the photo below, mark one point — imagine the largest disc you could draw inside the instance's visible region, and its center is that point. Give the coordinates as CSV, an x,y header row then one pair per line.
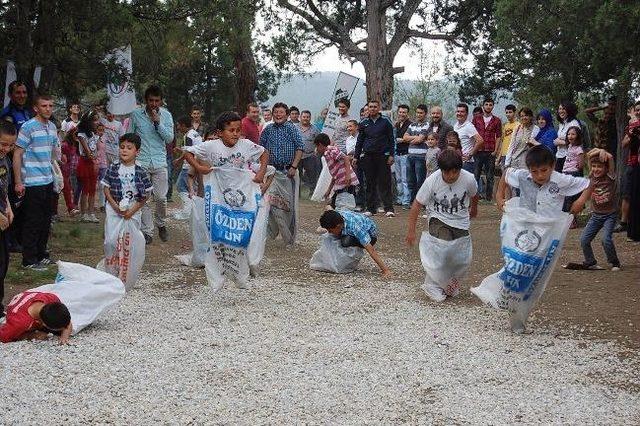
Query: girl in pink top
x,y
574,163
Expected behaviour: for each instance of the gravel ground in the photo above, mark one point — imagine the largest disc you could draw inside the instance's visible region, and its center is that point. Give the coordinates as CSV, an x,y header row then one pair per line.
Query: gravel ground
x,y
317,348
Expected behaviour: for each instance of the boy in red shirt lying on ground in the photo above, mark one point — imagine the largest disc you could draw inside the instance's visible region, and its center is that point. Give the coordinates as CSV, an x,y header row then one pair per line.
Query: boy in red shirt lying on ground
x,y
33,315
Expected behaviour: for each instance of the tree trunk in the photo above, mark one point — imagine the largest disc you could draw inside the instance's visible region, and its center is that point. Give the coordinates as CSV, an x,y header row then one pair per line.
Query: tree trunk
x,y
378,66
23,51
246,78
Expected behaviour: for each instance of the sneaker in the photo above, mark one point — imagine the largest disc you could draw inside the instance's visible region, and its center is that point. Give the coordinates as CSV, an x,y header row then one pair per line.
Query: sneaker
x,y
380,210
390,214
621,227
35,267
85,218
74,213
164,235
358,209
93,219
425,216
47,261
406,207
368,213
54,218
616,268
147,239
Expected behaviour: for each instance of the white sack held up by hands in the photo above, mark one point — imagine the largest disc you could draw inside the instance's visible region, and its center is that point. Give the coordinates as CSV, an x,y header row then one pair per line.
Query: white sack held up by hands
x,y
87,292
332,257
445,263
231,202
531,245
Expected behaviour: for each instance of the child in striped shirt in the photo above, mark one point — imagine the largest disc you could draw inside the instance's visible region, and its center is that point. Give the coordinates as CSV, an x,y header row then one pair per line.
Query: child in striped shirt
x,y
343,178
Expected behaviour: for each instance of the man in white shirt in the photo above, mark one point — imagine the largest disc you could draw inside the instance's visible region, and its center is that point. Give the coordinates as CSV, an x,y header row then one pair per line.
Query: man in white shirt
x,y
470,139
113,130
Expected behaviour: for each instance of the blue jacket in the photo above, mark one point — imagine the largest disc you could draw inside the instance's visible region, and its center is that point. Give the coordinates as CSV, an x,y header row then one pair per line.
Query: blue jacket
x,y
18,116
375,137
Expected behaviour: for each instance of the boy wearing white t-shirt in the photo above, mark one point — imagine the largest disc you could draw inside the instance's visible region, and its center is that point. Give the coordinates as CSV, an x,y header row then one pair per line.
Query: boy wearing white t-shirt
x,y
352,128
450,196
229,150
470,139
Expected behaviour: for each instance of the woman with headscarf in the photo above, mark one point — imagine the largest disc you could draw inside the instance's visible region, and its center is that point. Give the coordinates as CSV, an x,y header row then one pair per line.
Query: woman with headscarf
x,y
547,133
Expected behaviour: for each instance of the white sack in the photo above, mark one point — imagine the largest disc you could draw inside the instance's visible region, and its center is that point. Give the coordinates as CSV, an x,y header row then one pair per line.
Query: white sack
x,y
124,247
187,204
230,208
255,251
283,214
323,184
446,263
531,245
199,236
332,257
86,292
345,201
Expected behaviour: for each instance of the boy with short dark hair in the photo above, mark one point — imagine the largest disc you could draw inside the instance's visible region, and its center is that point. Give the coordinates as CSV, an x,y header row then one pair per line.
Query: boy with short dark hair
x,y
355,230
604,210
343,178
33,315
542,189
7,141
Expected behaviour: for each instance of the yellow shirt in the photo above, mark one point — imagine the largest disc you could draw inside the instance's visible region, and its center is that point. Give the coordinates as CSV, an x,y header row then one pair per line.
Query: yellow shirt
x,y
507,130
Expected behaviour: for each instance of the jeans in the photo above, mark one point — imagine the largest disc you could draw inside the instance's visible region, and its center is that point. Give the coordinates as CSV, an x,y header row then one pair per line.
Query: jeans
x,y
596,222
416,174
402,186
486,161
37,212
377,174
361,193
469,166
351,241
160,181
169,174
310,168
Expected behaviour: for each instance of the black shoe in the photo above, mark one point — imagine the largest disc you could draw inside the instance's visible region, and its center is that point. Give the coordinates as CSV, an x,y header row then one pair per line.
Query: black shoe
x,y
164,235
2,312
147,239
15,248
621,227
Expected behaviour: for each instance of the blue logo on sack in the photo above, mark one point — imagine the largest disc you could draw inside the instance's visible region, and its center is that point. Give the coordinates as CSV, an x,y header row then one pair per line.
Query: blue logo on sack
x,y
520,270
231,227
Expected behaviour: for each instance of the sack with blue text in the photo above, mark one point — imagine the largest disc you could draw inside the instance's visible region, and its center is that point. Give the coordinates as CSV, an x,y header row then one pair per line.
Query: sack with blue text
x,y
531,245
231,202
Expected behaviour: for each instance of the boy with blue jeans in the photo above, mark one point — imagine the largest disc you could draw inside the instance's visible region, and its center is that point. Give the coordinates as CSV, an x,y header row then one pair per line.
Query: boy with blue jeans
x,y
604,211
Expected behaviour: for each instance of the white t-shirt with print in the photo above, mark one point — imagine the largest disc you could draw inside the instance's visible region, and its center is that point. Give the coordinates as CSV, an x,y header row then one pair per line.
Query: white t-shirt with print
x,y
217,154
127,176
466,131
546,200
92,143
351,144
449,202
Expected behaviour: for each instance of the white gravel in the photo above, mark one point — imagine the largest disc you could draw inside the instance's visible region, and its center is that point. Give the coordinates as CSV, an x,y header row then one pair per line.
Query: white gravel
x,y
303,348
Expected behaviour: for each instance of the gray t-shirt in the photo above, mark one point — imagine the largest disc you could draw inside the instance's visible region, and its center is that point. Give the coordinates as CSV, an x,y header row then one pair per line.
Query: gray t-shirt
x,y
308,135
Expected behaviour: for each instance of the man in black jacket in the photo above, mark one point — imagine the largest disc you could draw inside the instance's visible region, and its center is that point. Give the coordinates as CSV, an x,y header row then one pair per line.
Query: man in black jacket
x,y
374,153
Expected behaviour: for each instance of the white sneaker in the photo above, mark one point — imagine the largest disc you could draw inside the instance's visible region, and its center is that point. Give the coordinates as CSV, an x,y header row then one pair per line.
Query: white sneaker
x,y
390,214
84,218
425,216
94,219
380,210
368,213
616,268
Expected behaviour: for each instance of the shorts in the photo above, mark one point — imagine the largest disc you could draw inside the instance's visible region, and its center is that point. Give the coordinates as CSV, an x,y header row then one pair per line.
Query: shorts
x,y
87,175
442,231
625,189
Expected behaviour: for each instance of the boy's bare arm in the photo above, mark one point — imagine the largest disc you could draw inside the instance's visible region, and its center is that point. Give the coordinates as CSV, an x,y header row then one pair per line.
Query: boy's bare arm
x,y
66,334
500,192
264,159
110,200
578,204
134,209
473,210
386,272
416,208
191,159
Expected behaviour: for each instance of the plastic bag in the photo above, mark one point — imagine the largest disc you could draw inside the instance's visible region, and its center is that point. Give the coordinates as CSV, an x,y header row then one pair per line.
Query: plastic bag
x,y
446,263
87,292
255,251
345,201
283,214
230,209
187,204
332,257
199,236
124,247
531,245
323,184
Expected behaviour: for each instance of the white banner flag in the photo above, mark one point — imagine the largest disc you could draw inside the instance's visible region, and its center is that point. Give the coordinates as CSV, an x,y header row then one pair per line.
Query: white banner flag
x,y
122,98
345,86
11,77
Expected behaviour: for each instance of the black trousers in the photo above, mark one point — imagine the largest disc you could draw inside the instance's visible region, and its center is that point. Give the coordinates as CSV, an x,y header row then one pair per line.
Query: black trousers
x,y
377,175
485,161
351,241
4,263
36,210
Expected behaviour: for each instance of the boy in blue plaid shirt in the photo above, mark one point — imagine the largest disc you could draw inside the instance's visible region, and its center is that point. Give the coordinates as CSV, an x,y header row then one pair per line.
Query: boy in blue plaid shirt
x,y
127,185
354,230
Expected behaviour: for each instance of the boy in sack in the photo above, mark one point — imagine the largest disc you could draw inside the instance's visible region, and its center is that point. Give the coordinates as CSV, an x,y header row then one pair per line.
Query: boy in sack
x,y
343,177
604,211
450,197
126,189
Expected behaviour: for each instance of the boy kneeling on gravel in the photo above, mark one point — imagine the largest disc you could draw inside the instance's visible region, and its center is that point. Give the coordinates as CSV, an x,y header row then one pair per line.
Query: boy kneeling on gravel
x,y
33,315
354,230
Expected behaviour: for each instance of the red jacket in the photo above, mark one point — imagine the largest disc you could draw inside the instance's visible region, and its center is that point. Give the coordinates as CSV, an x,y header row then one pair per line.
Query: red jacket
x,y
490,133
